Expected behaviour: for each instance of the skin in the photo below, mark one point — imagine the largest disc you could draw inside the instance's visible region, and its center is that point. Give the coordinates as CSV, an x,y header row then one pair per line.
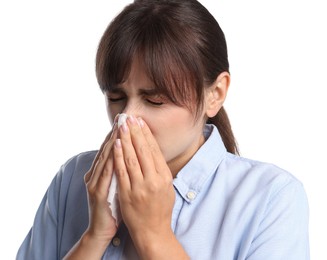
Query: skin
x,y
146,152
169,124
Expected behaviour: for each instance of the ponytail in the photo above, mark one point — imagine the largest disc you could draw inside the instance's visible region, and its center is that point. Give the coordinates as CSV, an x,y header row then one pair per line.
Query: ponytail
x,y
221,121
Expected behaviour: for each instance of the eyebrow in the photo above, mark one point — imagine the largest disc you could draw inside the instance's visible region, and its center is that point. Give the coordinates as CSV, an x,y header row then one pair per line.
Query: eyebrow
x,y
115,89
149,92
145,91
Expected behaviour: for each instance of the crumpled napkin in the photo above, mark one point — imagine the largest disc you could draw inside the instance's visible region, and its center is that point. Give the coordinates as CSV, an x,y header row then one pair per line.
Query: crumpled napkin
x,y
113,200
113,189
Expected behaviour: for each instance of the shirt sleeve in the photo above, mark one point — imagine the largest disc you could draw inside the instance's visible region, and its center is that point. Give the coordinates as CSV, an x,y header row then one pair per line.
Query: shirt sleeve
x,y
42,241
283,232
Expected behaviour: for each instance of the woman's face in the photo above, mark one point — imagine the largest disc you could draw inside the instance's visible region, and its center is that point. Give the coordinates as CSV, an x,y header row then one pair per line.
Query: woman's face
x,y
178,134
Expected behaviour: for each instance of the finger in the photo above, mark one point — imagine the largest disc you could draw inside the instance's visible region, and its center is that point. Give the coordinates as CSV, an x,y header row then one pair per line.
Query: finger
x,y
109,135
141,147
105,178
158,158
101,160
129,155
120,167
89,173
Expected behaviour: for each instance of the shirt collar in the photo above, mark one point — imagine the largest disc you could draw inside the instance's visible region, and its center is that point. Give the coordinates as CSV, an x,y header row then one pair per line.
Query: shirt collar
x,y
192,177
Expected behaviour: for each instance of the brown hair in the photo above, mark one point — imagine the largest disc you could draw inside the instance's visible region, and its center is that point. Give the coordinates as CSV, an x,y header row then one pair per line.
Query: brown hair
x,y
181,45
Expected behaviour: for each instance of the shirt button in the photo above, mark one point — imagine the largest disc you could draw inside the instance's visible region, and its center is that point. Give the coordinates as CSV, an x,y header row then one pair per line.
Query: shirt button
x,y
116,241
191,195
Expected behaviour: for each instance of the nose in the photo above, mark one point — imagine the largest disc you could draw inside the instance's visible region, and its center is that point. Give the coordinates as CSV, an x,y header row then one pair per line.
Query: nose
x,y
133,107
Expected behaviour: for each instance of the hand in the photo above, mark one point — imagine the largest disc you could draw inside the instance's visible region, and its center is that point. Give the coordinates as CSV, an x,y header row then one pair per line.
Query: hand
x,y
146,191
102,225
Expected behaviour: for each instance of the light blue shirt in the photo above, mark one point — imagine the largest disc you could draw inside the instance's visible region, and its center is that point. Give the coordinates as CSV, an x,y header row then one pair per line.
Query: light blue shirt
x,y
227,207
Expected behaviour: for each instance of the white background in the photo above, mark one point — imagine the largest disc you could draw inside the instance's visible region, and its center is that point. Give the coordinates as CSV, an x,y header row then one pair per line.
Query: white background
x,y
51,107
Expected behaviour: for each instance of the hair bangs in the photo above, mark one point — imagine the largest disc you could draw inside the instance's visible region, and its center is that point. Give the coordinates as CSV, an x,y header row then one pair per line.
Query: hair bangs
x,y
170,67
165,49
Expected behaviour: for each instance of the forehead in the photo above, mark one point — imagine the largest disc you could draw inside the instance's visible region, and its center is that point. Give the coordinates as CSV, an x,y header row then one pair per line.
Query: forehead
x,y
137,80
137,76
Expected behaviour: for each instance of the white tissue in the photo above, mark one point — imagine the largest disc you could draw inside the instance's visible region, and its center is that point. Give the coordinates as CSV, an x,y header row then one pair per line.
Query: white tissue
x,y
122,119
113,200
113,189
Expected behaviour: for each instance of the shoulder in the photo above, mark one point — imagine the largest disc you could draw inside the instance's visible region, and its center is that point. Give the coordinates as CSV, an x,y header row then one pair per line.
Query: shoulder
x,y
250,179
73,171
256,171
69,182
78,163
80,160
274,201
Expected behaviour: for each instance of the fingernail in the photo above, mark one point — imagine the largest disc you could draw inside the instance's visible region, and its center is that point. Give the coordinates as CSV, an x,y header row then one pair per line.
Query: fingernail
x,y
118,143
140,122
131,119
124,127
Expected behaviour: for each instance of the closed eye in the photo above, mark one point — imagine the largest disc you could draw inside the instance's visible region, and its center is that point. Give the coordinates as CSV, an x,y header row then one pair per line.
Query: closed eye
x,y
115,95
115,100
155,103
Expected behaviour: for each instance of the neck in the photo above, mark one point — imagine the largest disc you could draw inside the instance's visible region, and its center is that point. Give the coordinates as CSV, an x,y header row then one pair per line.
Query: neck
x,y
176,164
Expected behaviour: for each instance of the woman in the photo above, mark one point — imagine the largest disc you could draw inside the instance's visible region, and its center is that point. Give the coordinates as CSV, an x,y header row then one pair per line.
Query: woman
x,y
183,192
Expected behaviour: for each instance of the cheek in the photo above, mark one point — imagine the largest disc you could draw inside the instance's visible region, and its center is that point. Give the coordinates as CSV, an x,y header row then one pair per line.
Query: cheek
x,y
172,133
160,128
110,114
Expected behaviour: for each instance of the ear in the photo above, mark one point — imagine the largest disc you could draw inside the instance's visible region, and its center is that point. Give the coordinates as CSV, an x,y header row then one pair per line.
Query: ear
x,y
216,94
